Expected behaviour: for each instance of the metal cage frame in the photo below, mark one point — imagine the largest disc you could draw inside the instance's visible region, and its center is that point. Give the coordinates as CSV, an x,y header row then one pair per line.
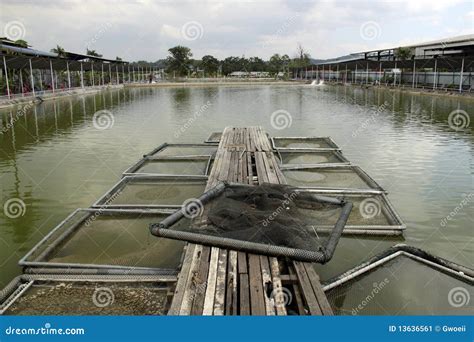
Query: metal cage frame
x,y
161,147
327,140
373,185
396,228
49,242
210,139
102,202
337,153
20,284
131,171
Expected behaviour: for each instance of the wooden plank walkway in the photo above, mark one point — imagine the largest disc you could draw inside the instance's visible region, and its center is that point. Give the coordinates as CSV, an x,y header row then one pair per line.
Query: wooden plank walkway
x,y
214,281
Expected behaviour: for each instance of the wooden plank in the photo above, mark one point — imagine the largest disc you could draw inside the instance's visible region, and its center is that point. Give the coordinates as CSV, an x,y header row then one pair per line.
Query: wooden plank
x,y
242,262
182,279
297,297
219,301
260,165
211,283
272,176
244,295
277,286
231,303
201,282
257,302
189,291
267,286
307,289
318,290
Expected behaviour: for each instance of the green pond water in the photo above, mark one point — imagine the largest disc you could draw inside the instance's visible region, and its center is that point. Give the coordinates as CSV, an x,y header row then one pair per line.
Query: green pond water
x,y
54,158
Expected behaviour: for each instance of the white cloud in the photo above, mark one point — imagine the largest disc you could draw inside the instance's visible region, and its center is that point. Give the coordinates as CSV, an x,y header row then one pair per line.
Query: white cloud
x,y
146,29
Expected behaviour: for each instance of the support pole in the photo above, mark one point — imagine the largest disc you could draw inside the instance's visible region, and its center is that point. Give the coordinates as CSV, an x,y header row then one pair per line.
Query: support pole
x,y
110,74
367,75
434,75
460,80
337,71
92,67
6,75
21,83
32,78
345,78
52,75
413,73
68,75
82,76
116,73
355,74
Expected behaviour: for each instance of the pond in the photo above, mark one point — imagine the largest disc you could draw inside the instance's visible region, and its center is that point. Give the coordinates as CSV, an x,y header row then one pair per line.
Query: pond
x,y
57,156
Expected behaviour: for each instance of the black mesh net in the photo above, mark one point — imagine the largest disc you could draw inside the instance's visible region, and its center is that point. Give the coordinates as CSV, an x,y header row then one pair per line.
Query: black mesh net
x,y
268,214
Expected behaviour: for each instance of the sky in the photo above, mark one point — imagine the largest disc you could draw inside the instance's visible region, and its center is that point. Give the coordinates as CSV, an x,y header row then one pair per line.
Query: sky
x,y
146,29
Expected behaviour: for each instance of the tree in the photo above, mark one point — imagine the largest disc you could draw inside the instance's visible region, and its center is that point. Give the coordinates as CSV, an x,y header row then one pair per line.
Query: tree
x,y
256,64
21,43
59,50
210,64
118,58
92,53
403,53
302,57
179,60
275,63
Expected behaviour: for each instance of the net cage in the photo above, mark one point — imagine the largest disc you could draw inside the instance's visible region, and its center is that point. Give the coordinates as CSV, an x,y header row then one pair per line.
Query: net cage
x,y
107,240
67,294
306,143
269,219
183,150
182,165
214,137
339,177
155,192
305,157
385,284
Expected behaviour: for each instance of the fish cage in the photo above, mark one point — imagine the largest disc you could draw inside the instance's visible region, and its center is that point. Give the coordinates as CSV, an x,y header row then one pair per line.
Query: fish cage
x,y
215,137
268,219
372,213
133,192
188,150
304,143
340,177
171,166
66,294
107,239
302,157
385,284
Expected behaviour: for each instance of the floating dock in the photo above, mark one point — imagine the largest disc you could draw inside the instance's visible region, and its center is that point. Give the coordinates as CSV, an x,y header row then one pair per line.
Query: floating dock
x,y
103,260
214,281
